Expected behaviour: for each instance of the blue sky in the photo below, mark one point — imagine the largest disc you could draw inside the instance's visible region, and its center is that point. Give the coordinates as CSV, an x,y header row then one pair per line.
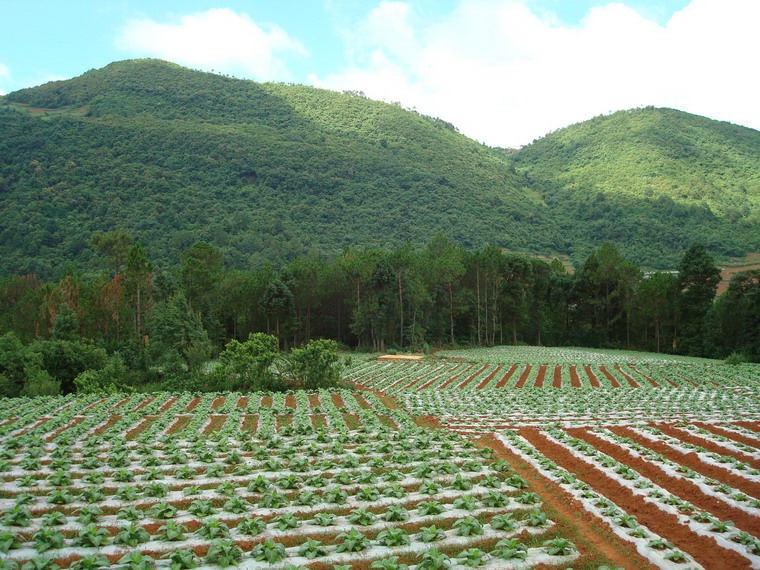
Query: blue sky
x,y
503,71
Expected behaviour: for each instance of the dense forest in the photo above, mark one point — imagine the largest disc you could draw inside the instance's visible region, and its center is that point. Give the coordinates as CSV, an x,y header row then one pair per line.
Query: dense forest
x,y
149,329
270,173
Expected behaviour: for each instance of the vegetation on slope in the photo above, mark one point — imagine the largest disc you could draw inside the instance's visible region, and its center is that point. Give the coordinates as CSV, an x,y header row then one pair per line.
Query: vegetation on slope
x,y
270,172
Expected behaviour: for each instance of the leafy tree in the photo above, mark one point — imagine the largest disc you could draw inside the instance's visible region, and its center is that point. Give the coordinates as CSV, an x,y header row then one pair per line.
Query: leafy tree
x,y
248,365
316,365
175,332
66,324
698,279
114,246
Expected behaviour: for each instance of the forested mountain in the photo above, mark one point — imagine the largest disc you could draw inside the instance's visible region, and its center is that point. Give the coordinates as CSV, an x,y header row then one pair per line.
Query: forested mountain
x,y
269,172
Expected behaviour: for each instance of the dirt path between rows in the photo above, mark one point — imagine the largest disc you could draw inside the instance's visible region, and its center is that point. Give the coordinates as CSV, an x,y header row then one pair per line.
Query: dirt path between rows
x,y
524,376
540,377
575,380
729,434
610,377
594,531
692,461
591,376
704,549
680,487
488,378
507,376
693,439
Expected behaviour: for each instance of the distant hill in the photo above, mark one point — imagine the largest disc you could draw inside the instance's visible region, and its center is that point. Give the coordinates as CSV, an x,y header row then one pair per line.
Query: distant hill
x,y
268,172
663,171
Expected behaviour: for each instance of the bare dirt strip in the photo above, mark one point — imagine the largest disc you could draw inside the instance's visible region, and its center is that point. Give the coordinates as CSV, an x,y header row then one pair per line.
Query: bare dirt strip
x,y
594,531
487,379
406,377
729,434
693,462
432,380
557,377
704,549
504,379
523,376
627,376
610,377
648,378
694,439
575,381
419,379
470,378
591,376
680,487
754,426
540,377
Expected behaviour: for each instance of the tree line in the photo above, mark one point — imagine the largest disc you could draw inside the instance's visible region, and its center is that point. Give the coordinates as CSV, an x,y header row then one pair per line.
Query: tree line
x,y
153,329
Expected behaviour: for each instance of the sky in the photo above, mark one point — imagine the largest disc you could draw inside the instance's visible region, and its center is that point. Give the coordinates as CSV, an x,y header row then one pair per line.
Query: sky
x,y
504,72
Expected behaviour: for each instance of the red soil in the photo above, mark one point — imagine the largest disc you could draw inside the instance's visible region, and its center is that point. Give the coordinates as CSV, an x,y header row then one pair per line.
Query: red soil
x,y
120,404
504,379
192,404
91,406
144,424
610,377
627,376
318,421
111,421
142,404
682,488
539,383
523,376
434,378
412,369
466,381
314,401
290,401
217,403
716,447
363,403
754,426
337,400
650,380
470,378
594,531
483,383
591,376
250,424
179,424
704,549
692,461
216,423
266,401
575,381
242,402
557,380
166,405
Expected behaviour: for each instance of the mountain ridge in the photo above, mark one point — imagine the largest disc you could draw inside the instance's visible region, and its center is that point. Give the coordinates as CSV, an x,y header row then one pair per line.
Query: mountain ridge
x,y
269,171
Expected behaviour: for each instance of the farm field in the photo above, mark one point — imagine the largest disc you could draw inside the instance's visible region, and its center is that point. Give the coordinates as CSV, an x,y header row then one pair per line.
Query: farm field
x,y
495,458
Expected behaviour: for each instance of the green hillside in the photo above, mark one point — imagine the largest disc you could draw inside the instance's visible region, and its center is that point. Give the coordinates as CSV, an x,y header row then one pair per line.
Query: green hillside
x,y
268,172
670,169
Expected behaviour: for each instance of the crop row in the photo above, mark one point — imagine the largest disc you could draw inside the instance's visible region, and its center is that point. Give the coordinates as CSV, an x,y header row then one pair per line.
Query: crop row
x,y
616,473
261,497
428,376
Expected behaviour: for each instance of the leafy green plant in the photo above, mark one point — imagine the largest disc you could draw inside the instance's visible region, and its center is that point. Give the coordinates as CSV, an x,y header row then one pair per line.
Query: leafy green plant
x,y
172,531
312,549
131,535
181,558
510,549
468,526
47,539
268,551
558,546
351,541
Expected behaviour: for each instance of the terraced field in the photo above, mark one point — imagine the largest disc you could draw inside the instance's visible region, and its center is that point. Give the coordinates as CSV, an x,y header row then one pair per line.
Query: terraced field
x,y
500,458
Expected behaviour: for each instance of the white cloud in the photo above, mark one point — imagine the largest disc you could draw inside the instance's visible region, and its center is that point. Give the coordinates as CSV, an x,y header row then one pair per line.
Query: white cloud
x,y
506,74
218,39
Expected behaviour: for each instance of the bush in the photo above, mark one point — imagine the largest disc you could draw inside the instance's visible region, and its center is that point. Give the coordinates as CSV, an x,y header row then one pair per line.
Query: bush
x,y
40,383
736,358
316,365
